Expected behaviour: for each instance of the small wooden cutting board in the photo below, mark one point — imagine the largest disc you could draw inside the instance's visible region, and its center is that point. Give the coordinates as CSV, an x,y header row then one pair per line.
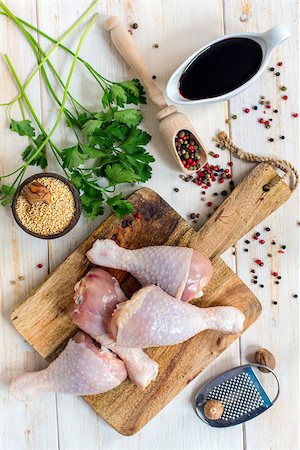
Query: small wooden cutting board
x,y
43,318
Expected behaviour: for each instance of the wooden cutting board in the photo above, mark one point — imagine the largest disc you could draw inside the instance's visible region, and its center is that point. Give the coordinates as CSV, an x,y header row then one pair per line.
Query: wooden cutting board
x,y
43,318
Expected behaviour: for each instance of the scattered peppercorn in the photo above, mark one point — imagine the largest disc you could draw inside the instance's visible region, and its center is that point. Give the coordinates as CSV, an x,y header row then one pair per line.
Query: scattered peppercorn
x,y
275,111
273,243
247,110
279,277
246,250
295,114
255,277
262,241
285,97
280,63
192,216
295,295
153,77
176,189
276,282
21,277
283,246
282,137
209,204
277,74
138,216
215,194
224,193
274,303
275,274
271,140
155,45
272,69
283,88
261,285
234,117
134,26
270,255
255,107
268,229
40,265
247,242
257,234
254,281
261,120
252,270
12,282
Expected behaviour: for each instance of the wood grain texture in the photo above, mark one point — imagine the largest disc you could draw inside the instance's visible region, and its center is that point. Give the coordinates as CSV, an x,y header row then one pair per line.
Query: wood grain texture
x,y
179,31
278,327
43,319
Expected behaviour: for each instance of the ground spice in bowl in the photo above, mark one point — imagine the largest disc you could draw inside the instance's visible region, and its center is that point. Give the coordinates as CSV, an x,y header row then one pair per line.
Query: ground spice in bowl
x,y
46,206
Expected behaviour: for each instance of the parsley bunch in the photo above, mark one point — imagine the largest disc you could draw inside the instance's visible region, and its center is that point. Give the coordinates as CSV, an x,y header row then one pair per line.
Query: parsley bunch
x,y
109,140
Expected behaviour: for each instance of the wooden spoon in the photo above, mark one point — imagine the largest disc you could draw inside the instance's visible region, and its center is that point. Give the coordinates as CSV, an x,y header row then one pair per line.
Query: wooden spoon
x,y
171,121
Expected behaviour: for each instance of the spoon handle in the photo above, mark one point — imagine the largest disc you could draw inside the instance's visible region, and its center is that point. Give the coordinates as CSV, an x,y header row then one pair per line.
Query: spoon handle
x,y
127,49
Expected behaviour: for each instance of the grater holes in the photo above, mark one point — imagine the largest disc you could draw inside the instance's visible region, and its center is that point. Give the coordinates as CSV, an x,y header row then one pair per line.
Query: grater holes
x,y
238,395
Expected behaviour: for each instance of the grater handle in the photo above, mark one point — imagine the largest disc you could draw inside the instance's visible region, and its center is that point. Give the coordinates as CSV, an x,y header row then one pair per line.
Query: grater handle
x,y
274,375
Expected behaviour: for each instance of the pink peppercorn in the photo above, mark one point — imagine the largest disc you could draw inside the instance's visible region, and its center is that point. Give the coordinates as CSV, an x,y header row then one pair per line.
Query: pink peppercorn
x,y
230,164
295,115
261,264
209,203
261,241
138,216
255,238
285,97
40,266
268,106
275,274
247,110
191,147
221,180
280,63
216,155
226,170
261,120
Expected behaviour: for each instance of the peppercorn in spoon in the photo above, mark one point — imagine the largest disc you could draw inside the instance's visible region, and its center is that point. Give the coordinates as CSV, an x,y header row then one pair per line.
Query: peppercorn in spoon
x,y
177,131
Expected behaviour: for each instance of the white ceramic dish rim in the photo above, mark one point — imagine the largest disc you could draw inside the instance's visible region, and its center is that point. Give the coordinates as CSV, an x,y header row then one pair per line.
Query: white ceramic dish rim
x,y
282,33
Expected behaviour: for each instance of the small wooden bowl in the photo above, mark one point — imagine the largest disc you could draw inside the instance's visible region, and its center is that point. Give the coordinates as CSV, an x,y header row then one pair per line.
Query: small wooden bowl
x,y
78,206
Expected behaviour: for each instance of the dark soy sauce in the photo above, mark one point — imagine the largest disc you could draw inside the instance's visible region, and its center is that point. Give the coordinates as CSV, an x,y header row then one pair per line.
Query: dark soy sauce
x,y
220,68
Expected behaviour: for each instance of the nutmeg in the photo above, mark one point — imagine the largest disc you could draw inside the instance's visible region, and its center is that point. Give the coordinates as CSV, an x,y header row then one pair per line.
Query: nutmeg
x,y
37,192
266,358
213,409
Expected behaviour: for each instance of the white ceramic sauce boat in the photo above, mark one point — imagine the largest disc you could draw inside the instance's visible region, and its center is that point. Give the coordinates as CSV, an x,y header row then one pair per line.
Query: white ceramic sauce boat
x,y
267,41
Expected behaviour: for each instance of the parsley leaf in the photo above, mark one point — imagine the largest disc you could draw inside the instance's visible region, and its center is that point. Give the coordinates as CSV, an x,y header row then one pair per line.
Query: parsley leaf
x,y
90,126
8,193
72,157
22,127
120,206
130,117
118,174
135,140
40,159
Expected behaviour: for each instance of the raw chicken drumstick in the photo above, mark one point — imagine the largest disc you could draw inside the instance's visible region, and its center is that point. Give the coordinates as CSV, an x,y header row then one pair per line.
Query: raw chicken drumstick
x,y
96,296
153,318
81,369
180,271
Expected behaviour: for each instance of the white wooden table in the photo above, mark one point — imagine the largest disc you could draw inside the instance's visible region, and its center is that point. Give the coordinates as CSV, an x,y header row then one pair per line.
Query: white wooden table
x,y
68,423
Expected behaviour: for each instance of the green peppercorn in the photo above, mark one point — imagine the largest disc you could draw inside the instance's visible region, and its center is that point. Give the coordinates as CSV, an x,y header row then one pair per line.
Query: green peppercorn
x,y
234,116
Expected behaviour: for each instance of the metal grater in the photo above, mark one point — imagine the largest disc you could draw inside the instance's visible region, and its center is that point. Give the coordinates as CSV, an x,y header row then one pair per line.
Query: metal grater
x,y
241,394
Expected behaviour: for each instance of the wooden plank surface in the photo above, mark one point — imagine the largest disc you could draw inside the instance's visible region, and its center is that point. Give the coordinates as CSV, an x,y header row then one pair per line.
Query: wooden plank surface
x,y
159,21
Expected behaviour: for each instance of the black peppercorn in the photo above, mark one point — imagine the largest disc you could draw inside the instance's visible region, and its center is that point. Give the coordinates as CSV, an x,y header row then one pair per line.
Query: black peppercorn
x,y
255,277
224,193
245,250
252,270
274,303
134,26
295,296
282,137
271,70
279,277
215,194
268,229
277,74
154,77
283,247
192,216
257,234
255,108
271,140
247,242
261,285
273,243
176,189
275,111
254,282
276,282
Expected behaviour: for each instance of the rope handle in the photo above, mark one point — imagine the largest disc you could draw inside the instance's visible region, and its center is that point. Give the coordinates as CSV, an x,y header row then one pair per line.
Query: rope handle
x,y
224,140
